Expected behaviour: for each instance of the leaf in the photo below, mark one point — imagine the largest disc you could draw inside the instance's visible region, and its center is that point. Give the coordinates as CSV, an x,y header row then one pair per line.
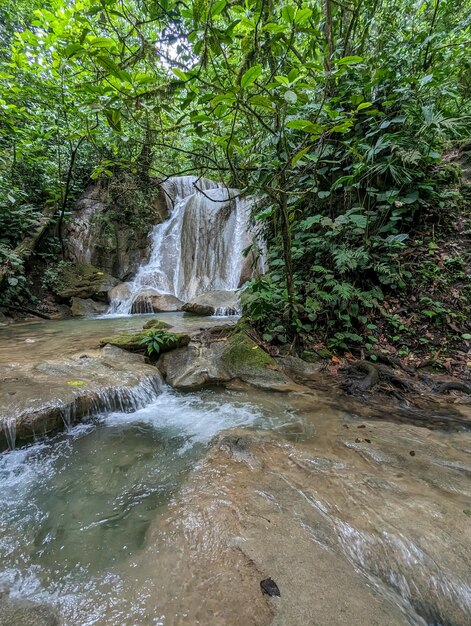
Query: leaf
x,y
218,8
262,101
76,383
299,155
350,60
364,105
250,76
178,72
306,126
290,97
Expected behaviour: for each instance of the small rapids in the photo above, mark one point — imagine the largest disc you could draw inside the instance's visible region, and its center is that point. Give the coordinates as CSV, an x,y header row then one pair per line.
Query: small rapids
x,y
74,507
136,517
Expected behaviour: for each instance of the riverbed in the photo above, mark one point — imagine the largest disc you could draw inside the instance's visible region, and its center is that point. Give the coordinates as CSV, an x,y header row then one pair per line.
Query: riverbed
x,y
173,513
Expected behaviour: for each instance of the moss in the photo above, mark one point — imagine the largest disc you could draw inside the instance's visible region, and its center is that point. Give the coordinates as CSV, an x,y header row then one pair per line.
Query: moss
x,y
156,325
133,341
242,351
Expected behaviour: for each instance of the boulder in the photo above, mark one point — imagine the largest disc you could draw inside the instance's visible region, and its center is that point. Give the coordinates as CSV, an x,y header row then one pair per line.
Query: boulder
x,y
214,358
85,281
151,302
214,303
134,342
119,293
16,612
87,307
157,325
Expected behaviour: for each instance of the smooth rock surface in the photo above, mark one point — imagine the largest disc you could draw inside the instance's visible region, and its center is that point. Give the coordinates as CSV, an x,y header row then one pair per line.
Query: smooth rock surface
x,y
41,398
151,302
122,291
214,302
87,307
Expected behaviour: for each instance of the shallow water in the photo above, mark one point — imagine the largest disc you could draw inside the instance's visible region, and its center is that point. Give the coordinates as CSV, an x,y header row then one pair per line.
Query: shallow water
x,y
125,520
73,507
46,339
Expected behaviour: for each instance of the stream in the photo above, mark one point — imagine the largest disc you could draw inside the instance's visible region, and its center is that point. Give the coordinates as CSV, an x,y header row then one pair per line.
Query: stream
x,y
173,513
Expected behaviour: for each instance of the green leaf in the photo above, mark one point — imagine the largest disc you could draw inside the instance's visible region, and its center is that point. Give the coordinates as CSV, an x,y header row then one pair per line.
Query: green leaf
x,y
250,76
290,97
218,7
178,72
350,60
262,101
306,126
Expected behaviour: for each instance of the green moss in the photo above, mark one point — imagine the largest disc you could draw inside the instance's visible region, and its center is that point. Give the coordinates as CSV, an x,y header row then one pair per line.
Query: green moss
x,y
242,351
156,325
133,341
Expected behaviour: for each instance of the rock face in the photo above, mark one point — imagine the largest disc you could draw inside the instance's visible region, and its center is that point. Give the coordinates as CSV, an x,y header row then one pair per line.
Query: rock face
x,y
14,612
80,307
86,281
151,302
213,303
215,358
111,230
38,399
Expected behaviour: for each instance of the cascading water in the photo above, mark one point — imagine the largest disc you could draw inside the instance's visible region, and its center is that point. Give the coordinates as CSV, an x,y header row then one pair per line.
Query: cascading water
x,y
199,248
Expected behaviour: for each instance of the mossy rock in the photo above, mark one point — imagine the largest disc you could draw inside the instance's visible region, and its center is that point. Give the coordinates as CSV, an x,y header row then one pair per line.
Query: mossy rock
x,y
156,325
133,341
241,352
85,281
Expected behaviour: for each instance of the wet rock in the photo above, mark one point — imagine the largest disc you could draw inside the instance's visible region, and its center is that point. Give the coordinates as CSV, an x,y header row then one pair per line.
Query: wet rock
x,y
134,342
86,307
213,303
213,359
86,281
151,302
119,292
15,612
157,324
270,587
117,246
39,399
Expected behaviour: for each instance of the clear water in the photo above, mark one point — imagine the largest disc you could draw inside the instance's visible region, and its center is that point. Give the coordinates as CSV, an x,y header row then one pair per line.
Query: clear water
x,y
74,507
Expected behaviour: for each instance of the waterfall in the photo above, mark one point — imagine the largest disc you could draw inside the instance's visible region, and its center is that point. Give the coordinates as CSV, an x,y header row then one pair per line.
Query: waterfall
x,y
199,248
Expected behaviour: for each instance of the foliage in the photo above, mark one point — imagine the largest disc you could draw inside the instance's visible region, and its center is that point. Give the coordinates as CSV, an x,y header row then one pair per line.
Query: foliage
x,y
335,115
156,339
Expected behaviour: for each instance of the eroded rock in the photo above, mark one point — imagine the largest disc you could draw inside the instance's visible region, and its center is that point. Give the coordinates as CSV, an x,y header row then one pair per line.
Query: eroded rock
x,y
42,398
87,307
214,303
151,302
86,281
212,358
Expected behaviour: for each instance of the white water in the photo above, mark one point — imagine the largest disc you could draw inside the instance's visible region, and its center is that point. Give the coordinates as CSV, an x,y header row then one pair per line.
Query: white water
x,y
199,248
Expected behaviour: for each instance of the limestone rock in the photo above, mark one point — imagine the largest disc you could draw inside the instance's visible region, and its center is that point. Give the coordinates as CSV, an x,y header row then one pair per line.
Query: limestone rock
x,y
151,302
38,399
15,612
219,360
156,324
87,307
86,281
214,302
118,246
119,292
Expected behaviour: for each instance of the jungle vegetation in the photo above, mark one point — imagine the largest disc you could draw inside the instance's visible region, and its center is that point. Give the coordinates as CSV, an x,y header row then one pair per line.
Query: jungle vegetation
x,y
348,120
